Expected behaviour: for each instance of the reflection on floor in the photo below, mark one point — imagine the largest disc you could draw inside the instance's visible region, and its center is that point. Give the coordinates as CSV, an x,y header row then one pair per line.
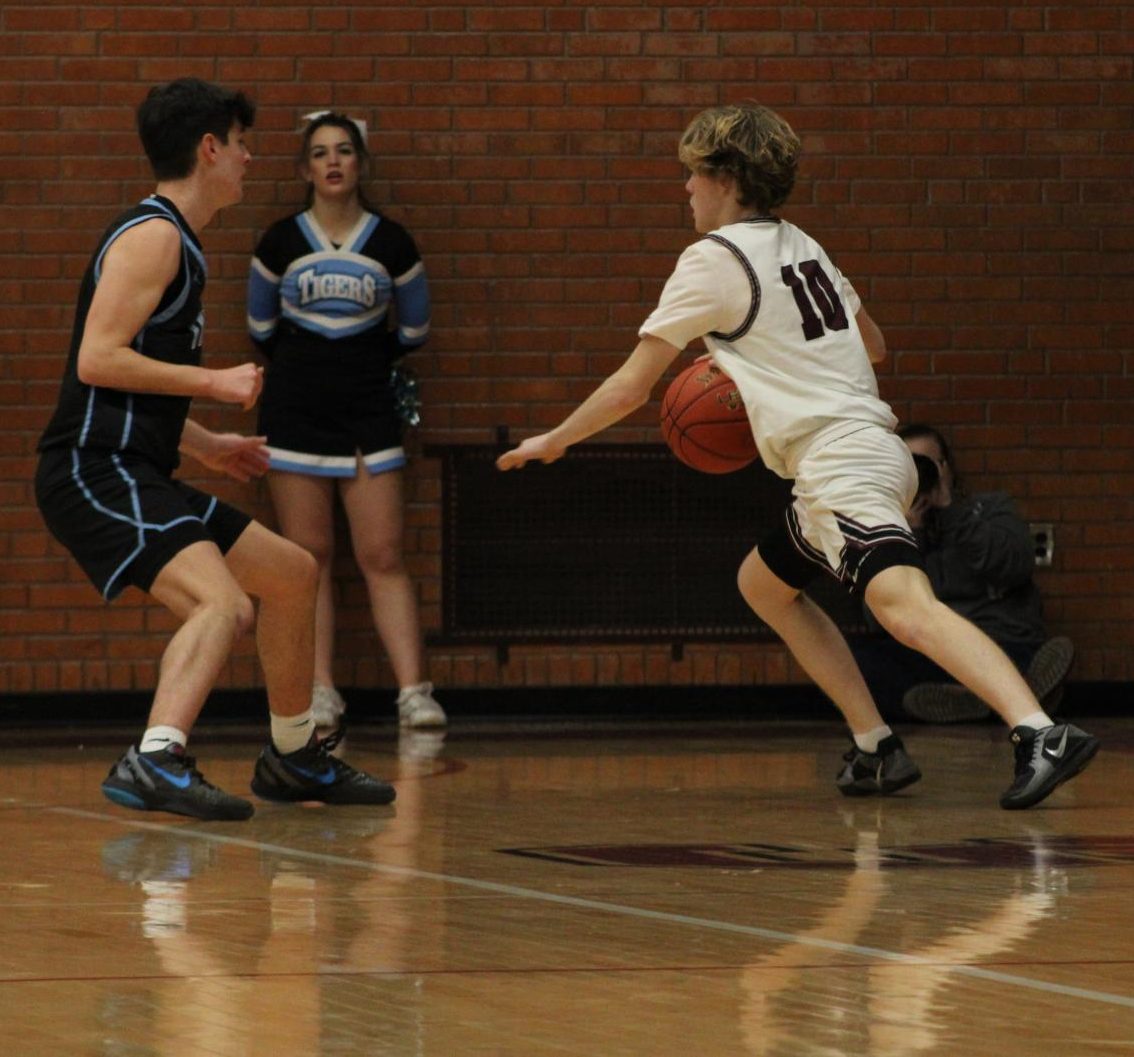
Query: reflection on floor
x,y
575,891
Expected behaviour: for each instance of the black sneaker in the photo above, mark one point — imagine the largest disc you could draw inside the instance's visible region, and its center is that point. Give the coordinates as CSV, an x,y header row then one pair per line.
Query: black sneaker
x,y
312,773
1046,759
168,780
877,773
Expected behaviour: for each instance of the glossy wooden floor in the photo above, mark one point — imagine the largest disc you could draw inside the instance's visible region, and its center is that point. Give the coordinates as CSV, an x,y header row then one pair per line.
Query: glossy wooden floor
x,y
601,892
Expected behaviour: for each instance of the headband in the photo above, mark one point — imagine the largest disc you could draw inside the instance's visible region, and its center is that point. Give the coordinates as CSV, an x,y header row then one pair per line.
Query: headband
x,y
316,114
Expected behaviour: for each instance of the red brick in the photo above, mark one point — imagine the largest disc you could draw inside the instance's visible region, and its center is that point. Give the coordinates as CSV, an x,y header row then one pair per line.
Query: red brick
x,y
967,164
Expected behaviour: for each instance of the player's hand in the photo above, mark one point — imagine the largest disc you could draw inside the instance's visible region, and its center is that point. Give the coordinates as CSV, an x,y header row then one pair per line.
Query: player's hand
x,y
938,497
235,455
238,385
540,448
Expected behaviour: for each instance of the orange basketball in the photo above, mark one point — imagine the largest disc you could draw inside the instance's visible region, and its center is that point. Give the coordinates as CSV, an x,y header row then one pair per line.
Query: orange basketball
x,y
704,421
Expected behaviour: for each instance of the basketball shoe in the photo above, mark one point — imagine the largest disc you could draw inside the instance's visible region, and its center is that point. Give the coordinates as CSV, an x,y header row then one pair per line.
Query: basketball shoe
x,y
1045,759
877,773
168,780
312,773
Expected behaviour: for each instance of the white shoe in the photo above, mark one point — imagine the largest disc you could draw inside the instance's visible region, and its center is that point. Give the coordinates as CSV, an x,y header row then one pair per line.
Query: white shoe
x,y
418,708
327,708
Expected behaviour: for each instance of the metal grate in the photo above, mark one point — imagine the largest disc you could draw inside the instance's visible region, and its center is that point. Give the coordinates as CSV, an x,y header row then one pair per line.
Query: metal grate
x,y
610,543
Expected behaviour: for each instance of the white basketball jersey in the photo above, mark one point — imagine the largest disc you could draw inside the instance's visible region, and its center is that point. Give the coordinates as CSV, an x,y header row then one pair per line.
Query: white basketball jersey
x,y
778,318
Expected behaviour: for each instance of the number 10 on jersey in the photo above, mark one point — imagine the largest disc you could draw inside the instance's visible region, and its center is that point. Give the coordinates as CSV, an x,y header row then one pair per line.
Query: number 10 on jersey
x,y
815,290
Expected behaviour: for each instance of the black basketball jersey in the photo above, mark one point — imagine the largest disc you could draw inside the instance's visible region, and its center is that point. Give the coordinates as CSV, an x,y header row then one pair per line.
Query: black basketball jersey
x,y
147,425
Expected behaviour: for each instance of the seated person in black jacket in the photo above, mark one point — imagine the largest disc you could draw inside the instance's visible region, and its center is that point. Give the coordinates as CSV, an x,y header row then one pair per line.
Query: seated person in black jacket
x,y
979,555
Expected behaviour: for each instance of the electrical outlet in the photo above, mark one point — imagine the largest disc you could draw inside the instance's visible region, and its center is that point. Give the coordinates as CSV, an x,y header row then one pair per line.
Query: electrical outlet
x,y
1043,533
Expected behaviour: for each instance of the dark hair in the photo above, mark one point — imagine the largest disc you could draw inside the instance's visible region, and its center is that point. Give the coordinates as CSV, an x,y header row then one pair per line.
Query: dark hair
x,y
174,117
918,431
335,120
928,475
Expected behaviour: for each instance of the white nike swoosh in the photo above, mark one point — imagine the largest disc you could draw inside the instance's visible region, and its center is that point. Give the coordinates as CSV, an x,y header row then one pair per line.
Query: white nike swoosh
x,y
1057,754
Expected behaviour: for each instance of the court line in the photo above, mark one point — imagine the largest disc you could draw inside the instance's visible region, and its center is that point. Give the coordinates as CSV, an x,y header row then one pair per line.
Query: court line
x,y
641,913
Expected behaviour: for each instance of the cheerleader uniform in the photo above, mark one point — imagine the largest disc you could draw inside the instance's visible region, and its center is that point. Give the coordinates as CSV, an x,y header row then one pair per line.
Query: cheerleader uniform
x,y
319,312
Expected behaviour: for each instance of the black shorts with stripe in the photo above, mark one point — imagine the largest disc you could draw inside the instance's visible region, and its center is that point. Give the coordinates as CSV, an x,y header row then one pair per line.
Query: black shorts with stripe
x,y
122,519
788,556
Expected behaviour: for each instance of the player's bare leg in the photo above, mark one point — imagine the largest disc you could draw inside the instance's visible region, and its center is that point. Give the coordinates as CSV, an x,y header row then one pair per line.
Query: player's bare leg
x,y
877,763
902,600
157,774
304,505
283,576
1047,754
295,765
198,588
814,640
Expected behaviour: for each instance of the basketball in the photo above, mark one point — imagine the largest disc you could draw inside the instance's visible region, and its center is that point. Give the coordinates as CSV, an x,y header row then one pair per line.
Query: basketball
x,y
704,422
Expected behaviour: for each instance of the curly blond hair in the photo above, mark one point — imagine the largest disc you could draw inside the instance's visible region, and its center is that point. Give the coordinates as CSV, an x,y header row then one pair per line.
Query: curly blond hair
x,y
750,143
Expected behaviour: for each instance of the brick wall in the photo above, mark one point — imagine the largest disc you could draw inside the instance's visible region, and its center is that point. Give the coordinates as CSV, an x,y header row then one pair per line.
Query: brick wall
x,y
968,164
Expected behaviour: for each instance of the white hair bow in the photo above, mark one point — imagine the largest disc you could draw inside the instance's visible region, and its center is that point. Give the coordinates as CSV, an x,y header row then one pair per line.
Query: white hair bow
x,y
357,122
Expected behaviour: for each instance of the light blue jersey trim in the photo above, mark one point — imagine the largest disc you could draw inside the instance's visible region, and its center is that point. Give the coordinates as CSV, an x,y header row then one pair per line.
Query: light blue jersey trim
x,y
384,461
127,422
311,465
187,248
355,243
411,291
263,301
335,465
86,430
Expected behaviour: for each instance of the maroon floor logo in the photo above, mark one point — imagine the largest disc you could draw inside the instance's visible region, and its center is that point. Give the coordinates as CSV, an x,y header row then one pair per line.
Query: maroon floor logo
x,y
975,851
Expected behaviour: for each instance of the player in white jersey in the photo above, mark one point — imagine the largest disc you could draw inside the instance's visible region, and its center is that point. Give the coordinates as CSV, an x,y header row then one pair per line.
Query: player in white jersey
x,y
778,317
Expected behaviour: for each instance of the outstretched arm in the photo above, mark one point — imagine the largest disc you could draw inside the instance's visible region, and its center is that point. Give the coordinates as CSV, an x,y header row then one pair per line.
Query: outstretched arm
x,y
626,390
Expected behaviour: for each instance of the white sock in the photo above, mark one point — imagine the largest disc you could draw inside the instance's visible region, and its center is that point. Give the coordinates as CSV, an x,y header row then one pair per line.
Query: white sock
x,y
290,733
870,741
157,738
1037,721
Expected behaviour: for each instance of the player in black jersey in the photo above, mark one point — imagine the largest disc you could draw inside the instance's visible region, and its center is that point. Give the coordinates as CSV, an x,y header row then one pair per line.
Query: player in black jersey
x,y
105,488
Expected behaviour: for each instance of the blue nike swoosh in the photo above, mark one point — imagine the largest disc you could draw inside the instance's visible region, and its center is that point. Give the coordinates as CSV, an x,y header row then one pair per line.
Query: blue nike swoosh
x,y
327,777
180,780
